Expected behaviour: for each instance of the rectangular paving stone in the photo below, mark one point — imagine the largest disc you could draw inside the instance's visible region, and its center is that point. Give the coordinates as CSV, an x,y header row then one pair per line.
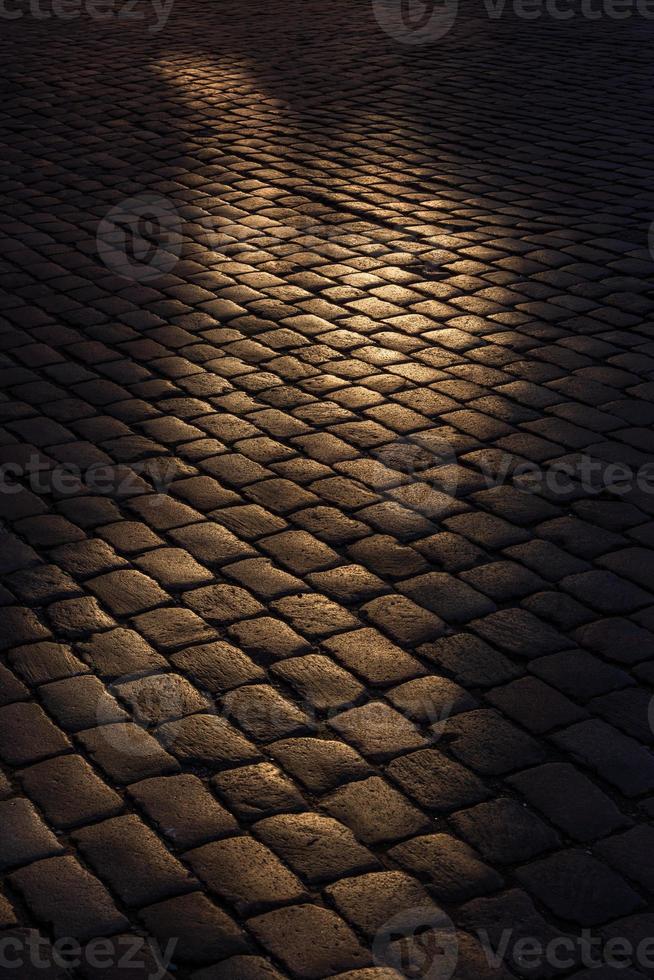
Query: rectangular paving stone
x,y
126,753
27,734
375,811
38,663
65,897
312,942
202,932
615,757
245,874
69,792
183,809
317,848
367,653
25,838
131,858
454,872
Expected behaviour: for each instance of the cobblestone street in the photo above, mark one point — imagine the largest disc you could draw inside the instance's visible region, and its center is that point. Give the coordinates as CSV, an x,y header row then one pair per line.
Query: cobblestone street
x,y
326,492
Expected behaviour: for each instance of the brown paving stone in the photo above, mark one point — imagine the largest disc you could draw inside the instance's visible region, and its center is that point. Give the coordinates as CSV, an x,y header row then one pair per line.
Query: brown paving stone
x,y
127,592
577,887
126,753
206,740
430,700
374,658
313,942
25,837
222,603
569,800
217,666
203,932
245,874
320,764
318,848
160,697
314,615
132,859
27,734
21,625
76,618
81,702
183,809
263,713
63,895
257,791
268,638
170,629
319,681
503,831
69,792
369,901
118,653
375,811
38,663
436,781
11,687
324,430
454,872
377,731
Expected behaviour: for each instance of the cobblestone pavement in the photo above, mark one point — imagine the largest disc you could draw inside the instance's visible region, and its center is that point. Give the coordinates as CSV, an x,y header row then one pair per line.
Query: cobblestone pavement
x,y
304,626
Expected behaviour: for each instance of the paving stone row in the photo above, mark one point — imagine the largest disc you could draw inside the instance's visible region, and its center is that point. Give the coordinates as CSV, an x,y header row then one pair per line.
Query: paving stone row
x,y
327,574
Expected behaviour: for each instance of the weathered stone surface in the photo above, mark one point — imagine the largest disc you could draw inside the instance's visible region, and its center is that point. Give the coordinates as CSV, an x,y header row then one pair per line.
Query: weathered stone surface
x,y
327,519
